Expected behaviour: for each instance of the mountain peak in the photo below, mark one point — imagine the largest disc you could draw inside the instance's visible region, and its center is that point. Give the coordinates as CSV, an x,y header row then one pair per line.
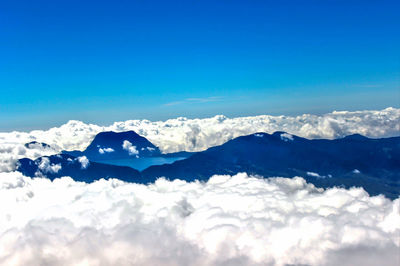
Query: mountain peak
x,y
113,133
355,137
111,145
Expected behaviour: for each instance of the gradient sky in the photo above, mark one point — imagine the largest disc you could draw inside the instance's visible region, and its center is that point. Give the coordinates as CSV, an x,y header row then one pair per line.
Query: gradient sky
x,y
105,61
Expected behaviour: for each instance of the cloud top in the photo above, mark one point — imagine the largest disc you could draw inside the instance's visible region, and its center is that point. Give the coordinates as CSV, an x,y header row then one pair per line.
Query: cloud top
x,y
231,220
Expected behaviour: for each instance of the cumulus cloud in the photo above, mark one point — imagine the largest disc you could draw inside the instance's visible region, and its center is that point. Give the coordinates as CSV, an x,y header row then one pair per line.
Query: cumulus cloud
x,y
126,145
46,167
286,137
148,148
84,161
105,150
230,220
10,152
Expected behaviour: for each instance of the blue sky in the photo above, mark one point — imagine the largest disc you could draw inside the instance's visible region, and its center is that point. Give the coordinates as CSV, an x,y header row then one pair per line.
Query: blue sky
x,y
105,61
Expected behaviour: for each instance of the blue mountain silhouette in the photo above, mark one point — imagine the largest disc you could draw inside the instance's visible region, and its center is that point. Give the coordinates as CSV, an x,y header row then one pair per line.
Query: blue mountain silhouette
x,y
355,160
117,145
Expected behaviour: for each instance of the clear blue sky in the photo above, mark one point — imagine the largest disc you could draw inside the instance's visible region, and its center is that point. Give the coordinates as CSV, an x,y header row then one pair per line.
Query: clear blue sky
x,y
104,61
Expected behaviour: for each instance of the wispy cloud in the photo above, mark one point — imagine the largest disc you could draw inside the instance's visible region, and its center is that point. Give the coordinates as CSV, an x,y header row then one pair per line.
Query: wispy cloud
x,y
196,100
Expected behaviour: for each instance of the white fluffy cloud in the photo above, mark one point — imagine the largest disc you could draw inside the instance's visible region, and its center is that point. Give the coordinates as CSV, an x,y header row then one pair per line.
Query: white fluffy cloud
x,y
286,137
230,220
84,161
105,150
126,145
10,152
46,167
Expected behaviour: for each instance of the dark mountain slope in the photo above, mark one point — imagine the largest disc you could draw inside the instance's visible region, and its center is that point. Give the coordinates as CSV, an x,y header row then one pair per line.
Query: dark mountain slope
x,y
373,164
351,161
78,168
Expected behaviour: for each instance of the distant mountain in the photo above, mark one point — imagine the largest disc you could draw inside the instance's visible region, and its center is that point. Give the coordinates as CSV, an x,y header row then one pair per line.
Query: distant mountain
x,y
117,145
101,159
355,160
79,168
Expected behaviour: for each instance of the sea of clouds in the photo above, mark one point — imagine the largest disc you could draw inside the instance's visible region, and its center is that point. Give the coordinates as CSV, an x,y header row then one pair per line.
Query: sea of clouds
x,y
229,220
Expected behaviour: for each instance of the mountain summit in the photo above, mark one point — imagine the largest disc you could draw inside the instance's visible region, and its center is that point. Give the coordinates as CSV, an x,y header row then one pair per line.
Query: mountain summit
x,y
117,145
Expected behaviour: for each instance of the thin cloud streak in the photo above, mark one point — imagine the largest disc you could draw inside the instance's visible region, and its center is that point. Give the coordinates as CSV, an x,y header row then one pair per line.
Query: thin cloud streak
x,y
195,100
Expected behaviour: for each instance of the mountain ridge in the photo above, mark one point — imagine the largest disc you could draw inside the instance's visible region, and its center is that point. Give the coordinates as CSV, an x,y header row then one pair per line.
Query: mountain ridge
x,y
353,160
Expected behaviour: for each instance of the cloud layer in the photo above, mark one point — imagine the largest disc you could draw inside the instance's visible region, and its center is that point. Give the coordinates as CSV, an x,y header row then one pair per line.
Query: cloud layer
x,y
230,220
234,220
199,134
